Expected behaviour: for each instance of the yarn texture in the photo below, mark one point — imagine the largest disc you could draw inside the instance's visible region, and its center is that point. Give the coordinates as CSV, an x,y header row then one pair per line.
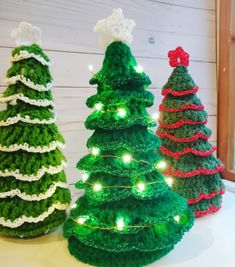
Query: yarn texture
x,y
128,216
34,194
182,128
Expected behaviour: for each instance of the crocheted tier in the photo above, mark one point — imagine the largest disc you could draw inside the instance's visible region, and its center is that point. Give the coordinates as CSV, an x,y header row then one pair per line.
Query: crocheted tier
x,y
109,98
176,104
135,115
43,187
23,163
146,214
206,206
198,187
21,92
119,72
99,257
187,132
135,139
15,209
30,136
186,115
31,230
32,49
115,188
26,113
31,70
180,80
193,165
110,162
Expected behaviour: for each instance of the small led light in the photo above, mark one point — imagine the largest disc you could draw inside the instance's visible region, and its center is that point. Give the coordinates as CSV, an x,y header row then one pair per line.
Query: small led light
x,y
155,116
97,187
177,218
141,186
121,112
120,224
139,68
85,176
81,220
90,68
95,151
98,106
127,158
169,181
74,206
161,165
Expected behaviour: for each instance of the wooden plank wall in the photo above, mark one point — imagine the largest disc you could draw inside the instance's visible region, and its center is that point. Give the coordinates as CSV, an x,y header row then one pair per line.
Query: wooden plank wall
x,y
70,43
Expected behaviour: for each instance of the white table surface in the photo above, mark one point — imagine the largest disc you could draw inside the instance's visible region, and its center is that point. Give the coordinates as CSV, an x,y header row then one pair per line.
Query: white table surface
x,y
210,243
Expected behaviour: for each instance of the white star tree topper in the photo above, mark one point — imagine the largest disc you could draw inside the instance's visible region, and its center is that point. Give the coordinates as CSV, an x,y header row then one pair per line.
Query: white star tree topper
x,y
115,28
26,34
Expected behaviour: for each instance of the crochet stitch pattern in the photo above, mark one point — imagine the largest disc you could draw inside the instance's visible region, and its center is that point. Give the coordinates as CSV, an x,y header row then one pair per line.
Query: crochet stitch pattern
x,y
195,172
34,194
128,215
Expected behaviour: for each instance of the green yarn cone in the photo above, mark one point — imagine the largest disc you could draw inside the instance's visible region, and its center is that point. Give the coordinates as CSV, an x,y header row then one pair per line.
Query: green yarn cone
x,y
33,190
185,146
128,216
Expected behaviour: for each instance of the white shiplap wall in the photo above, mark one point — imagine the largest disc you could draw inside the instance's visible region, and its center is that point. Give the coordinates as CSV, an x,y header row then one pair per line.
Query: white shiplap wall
x,y
69,42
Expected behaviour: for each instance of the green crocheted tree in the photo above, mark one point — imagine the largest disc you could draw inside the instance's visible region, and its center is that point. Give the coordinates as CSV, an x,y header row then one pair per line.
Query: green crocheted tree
x,y
128,216
191,163
33,190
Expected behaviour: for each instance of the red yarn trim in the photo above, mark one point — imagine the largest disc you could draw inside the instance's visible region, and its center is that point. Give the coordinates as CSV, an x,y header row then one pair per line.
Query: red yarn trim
x,y
185,139
206,212
199,171
205,196
182,108
180,123
187,150
182,93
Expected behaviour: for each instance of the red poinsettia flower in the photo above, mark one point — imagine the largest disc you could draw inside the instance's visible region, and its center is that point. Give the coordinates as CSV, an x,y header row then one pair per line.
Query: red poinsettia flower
x,y
178,57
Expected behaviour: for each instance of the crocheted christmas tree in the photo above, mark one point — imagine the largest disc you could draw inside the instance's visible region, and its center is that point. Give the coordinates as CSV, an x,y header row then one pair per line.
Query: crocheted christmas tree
x,y
128,215
182,129
33,190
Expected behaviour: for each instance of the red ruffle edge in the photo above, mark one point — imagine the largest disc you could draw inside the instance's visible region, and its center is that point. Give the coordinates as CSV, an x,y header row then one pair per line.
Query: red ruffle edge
x,y
205,196
187,150
180,123
184,139
199,171
187,106
182,93
211,209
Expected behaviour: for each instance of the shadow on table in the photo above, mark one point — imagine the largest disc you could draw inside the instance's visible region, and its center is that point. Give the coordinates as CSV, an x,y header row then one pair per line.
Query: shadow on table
x,y
193,244
51,237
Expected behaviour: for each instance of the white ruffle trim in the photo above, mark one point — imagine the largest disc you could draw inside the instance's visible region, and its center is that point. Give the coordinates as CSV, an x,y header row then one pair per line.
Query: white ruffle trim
x,y
28,82
24,219
39,149
24,54
14,98
26,119
33,177
34,197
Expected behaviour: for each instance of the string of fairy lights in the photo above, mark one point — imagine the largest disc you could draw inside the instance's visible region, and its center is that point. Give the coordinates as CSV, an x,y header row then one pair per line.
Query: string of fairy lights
x,y
127,159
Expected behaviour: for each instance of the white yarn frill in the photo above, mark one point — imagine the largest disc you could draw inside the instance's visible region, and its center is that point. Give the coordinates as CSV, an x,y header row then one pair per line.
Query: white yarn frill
x,y
28,82
33,149
24,54
26,119
24,219
33,177
34,197
35,102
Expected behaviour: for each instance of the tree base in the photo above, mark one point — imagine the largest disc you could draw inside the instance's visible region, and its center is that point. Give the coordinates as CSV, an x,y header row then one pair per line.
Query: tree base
x,y
101,258
33,230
